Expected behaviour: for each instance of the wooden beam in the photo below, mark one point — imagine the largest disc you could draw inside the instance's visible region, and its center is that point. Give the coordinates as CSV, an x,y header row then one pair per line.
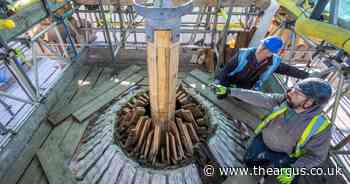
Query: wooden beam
x,y
72,139
86,110
18,167
52,161
162,60
23,146
65,111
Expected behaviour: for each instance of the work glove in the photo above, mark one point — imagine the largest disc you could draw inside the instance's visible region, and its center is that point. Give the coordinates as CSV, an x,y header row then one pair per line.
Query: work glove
x,y
221,91
286,176
213,85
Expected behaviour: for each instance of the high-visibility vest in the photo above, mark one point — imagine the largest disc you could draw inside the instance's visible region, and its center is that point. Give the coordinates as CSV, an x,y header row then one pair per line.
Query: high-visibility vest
x,y
242,62
317,124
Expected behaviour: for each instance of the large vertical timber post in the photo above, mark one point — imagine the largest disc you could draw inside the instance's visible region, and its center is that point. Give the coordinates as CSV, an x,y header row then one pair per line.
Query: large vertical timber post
x,y
162,61
163,32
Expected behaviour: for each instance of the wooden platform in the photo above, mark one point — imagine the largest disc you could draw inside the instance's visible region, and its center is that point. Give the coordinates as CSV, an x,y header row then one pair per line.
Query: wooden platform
x,y
53,146
84,153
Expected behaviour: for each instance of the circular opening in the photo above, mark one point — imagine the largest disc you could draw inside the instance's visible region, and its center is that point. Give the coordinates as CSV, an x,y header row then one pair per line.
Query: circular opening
x,y
162,144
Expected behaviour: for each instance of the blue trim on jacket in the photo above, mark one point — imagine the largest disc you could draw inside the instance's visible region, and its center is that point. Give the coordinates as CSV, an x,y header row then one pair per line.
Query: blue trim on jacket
x,y
242,62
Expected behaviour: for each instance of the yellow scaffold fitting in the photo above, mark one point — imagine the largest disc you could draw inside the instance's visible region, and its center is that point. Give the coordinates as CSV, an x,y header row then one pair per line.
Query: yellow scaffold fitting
x,y
315,29
232,25
7,24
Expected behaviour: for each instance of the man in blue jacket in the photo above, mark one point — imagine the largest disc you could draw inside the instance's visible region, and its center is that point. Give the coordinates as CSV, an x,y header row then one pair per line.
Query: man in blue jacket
x,y
251,67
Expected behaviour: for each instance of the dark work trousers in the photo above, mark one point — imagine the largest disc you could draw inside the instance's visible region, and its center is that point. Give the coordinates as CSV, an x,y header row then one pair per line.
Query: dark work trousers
x,y
258,154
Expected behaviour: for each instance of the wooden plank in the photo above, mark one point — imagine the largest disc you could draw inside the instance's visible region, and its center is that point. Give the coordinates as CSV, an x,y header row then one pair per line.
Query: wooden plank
x,y
65,111
192,132
148,144
188,116
18,167
163,156
156,142
226,106
162,42
85,164
69,144
172,146
195,109
43,180
143,99
85,111
174,130
71,88
185,137
162,74
143,134
21,148
167,144
32,174
139,126
57,134
52,158
174,71
152,77
86,148
52,161
88,82
105,77
205,79
92,134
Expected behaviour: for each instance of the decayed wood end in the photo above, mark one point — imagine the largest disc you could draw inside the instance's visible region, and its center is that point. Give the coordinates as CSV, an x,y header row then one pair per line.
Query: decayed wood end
x,y
162,60
263,4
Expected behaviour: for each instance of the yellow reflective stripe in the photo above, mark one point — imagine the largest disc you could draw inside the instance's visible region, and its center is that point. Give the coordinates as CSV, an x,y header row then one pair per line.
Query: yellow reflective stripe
x,y
298,149
270,117
259,127
324,126
307,131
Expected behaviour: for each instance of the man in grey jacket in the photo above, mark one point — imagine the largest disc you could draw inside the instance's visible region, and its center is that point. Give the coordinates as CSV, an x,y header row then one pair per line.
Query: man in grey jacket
x,y
295,134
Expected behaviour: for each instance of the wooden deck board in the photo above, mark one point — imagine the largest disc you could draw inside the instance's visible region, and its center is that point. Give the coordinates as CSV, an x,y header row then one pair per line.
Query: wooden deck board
x,y
226,106
18,167
108,96
88,82
65,111
72,138
55,168
33,173
205,79
71,89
